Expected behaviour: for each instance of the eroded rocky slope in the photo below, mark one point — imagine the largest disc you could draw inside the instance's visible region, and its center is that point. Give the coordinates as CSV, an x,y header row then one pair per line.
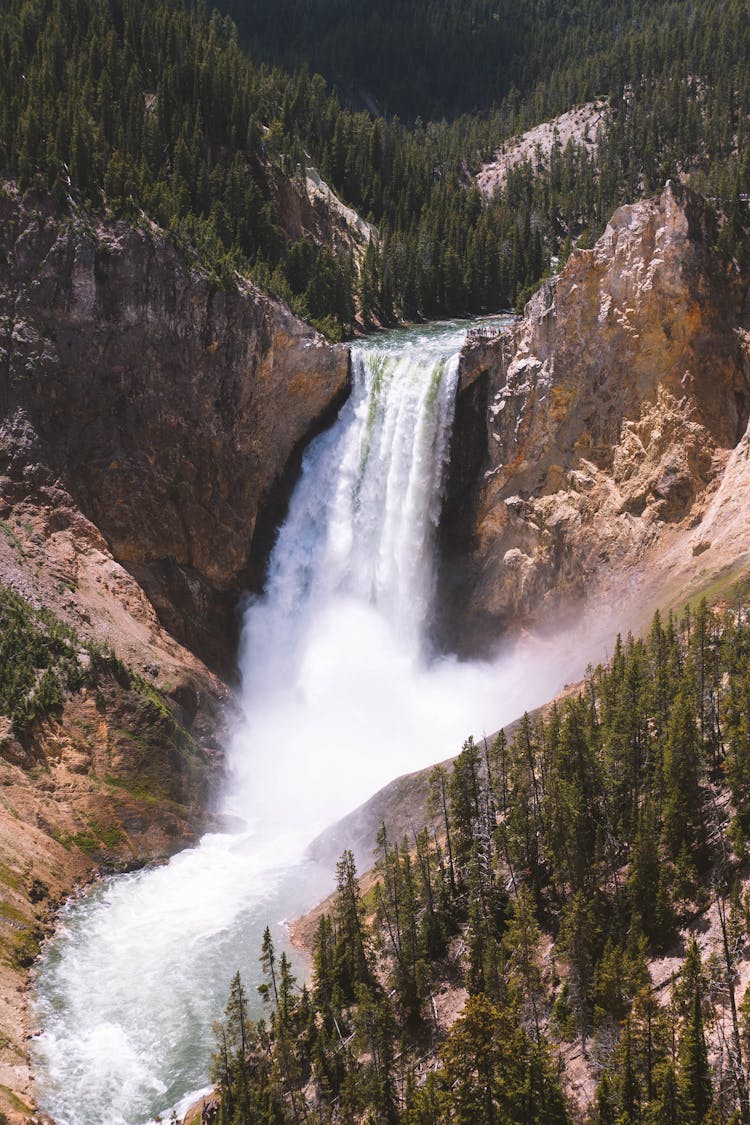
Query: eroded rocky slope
x,y
116,766
581,127
592,437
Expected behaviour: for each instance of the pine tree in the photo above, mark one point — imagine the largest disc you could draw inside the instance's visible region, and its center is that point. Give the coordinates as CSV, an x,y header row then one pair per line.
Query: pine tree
x,y
606,1105
628,1089
351,959
683,822
694,1076
522,943
667,1107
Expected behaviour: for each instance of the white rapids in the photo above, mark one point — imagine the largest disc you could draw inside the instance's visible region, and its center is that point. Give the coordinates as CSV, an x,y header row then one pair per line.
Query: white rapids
x,y
339,695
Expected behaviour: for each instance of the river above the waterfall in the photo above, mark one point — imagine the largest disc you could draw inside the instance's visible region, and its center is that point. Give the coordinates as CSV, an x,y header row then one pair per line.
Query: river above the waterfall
x,y
340,694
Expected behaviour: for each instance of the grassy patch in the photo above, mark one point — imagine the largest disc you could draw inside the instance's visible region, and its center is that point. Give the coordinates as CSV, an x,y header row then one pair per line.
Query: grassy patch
x,y
16,1102
92,839
22,941
110,836
143,788
62,838
731,586
9,878
25,948
85,842
11,536
10,914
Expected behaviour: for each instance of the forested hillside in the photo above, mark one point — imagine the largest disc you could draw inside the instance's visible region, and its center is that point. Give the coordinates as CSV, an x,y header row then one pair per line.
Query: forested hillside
x,y
566,864
436,58
153,112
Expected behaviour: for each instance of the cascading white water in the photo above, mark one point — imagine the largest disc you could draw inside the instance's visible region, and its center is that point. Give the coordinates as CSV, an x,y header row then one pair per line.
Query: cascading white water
x,y
339,696
333,652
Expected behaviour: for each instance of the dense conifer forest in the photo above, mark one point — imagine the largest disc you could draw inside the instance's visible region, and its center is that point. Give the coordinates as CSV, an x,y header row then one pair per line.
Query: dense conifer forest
x,y
560,864
440,58
153,112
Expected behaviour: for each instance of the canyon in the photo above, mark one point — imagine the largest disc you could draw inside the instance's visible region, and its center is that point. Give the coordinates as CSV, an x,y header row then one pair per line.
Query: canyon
x,y
153,424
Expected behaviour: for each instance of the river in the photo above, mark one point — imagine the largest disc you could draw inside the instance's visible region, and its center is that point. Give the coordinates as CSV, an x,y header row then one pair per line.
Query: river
x,y
340,694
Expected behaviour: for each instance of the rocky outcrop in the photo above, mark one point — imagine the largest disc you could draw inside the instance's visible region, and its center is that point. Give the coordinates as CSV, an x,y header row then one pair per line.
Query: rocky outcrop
x,y
309,209
581,128
611,409
171,410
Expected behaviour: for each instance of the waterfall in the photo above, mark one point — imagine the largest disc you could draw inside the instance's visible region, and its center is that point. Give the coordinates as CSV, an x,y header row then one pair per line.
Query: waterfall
x,y
341,625
362,521
369,501
340,694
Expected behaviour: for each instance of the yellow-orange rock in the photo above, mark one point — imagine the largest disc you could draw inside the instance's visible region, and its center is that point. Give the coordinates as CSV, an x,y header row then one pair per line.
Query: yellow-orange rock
x,y
597,426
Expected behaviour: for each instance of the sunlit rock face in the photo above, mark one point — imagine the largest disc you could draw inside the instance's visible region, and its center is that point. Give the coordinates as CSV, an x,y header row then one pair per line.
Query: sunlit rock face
x,y
173,410
590,435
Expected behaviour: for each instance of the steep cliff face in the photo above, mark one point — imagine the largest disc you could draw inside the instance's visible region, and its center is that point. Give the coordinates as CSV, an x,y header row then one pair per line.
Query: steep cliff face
x,y
172,411
611,409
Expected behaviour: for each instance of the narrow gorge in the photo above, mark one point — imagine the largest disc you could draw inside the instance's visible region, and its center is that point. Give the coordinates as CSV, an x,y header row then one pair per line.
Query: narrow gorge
x,y
153,428
340,628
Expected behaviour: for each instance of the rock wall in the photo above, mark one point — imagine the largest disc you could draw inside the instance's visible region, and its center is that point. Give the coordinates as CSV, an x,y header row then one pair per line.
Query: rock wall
x,y
611,409
173,411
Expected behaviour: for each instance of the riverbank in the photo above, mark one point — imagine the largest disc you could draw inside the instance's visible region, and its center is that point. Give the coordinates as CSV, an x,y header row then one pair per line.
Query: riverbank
x,y
112,768
63,822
